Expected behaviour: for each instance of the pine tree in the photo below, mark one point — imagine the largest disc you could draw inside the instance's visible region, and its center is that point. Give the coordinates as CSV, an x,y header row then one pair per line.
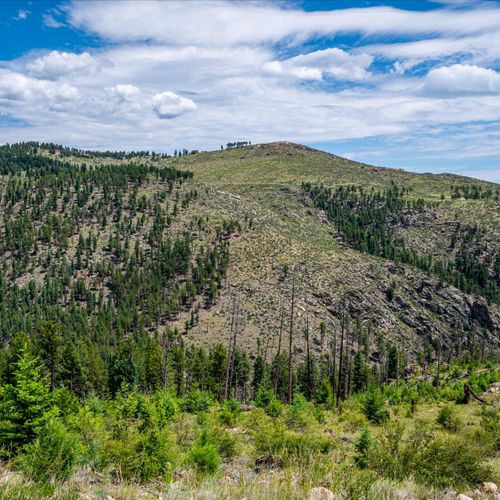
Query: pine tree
x,y
25,404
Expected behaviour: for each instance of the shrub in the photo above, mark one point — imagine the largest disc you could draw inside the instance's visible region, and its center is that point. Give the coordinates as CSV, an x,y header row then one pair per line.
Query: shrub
x,y
441,462
451,462
264,397
166,406
373,406
490,423
230,413
25,405
276,444
53,455
197,401
448,419
205,458
362,446
274,408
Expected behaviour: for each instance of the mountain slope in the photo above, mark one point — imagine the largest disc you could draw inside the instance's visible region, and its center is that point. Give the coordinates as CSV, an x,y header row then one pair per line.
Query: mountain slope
x,y
277,232
264,183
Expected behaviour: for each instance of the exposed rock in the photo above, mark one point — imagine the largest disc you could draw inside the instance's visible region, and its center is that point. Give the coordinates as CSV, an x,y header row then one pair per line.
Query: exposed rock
x,y
493,388
321,493
482,313
490,488
464,497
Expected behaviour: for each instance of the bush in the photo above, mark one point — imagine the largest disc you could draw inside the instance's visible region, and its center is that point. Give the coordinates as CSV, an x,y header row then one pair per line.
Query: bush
x,y
448,419
197,401
373,406
362,446
276,444
205,458
230,413
441,462
490,423
451,462
53,455
166,406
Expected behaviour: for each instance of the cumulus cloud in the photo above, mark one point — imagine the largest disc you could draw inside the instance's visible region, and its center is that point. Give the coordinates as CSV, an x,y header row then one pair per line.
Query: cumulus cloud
x,y
462,78
169,105
56,64
333,62
18,87
124,92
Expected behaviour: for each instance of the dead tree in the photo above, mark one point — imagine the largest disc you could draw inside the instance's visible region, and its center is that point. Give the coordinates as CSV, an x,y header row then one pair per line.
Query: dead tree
x,y
334,362
341,355
231,346
290,341
278,353
308,354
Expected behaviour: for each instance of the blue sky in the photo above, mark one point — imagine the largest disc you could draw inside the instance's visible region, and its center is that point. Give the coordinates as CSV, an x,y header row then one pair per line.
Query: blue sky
x,y
410,84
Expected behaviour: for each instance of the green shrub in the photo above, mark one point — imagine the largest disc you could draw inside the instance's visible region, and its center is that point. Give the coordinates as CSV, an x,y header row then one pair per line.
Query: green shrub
x,y
224,441
140,454
362,446
325,395
373,406
274,408
441,462
449,419
264,397
166,406
25,405
275,443
197,401
490,423
205,458
451,462
230,413
53,455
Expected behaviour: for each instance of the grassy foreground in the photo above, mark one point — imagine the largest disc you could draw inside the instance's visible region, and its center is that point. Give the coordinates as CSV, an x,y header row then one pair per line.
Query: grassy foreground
x,y
406,440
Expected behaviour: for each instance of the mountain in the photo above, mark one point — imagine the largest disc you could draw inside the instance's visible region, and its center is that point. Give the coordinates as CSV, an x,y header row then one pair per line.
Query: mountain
x,y
119,242
451,219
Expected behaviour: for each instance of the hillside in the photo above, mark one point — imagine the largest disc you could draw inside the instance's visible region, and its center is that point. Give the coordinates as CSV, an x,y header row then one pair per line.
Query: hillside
x,y
263,184
260,198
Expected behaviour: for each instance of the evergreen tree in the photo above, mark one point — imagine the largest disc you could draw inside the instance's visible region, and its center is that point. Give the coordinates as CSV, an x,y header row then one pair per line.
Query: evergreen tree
x,y
25,404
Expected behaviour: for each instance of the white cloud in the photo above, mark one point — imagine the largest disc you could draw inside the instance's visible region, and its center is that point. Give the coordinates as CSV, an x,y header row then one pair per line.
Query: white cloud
x,y
316,65
124,92
56,64
22,15
51,22
462,78
233,23
18,87
170,105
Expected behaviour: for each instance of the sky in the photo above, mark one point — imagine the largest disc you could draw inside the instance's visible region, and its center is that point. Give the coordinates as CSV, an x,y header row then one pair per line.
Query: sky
x,y
406,84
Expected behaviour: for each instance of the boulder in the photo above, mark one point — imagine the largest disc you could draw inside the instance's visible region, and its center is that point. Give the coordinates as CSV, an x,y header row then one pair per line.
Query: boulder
x,y
490,488
321,493
464,497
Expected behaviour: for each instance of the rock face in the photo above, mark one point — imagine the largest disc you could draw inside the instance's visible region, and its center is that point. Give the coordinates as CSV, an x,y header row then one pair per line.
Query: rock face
x,y
321,493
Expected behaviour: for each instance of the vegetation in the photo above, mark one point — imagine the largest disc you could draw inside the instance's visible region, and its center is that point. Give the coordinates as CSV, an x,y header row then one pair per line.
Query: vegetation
x,y
368,221
129,295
